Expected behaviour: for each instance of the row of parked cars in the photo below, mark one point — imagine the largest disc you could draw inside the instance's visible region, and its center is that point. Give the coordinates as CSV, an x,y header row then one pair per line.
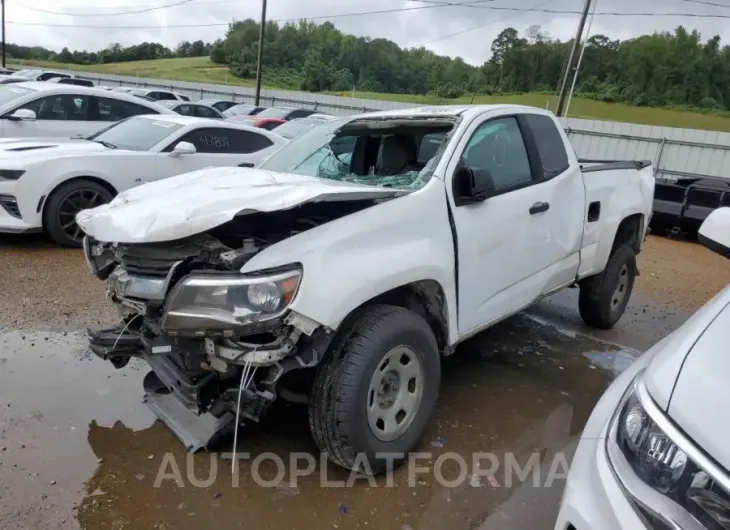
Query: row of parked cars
x,y
262,117
76,146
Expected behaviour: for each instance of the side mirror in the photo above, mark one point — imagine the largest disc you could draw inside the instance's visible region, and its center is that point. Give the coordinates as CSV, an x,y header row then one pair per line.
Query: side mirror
x,y
715,232
183,148
471,185
23,115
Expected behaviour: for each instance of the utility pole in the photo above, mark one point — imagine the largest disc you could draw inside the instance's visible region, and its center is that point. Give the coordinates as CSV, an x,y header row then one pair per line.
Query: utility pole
x,y
576,42
259,65
580,59
3,15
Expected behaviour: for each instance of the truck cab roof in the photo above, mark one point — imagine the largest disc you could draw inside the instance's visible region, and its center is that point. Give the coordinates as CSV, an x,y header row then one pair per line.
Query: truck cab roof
x,y
450,110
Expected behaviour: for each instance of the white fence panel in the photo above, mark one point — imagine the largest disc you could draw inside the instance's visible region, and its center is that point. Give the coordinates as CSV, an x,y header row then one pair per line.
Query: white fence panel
x,y
674,152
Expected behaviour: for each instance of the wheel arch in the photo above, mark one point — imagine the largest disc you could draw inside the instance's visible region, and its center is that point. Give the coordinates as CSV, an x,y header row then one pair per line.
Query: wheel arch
x,y
427,298
100,181
630,231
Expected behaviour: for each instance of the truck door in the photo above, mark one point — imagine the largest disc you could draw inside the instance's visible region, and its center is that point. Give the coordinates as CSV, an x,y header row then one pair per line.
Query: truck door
x,y
522,241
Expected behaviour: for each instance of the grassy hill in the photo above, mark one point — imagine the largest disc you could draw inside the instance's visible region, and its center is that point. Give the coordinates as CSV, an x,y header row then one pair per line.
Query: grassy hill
x,y
201,69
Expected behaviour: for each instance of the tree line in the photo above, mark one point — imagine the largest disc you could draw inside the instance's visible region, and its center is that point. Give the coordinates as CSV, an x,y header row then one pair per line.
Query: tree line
x,y
670,69
677,69
114,53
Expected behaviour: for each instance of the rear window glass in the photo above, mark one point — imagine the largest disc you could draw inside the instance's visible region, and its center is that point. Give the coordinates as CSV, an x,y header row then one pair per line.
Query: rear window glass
x,y
429,146
550,146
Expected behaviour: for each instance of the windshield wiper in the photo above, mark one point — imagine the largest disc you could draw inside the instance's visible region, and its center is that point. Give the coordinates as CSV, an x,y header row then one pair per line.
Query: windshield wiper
x,y
105,144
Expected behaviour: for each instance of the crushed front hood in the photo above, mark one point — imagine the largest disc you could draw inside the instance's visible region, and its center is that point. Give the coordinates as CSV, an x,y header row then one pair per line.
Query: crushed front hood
x,y
194,202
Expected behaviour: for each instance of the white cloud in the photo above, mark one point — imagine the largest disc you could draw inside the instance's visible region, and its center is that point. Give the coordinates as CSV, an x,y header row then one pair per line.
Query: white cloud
x,y
407,28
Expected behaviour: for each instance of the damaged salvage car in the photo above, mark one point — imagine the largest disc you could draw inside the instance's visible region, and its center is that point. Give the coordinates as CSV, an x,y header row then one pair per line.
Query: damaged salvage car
x,y
343,269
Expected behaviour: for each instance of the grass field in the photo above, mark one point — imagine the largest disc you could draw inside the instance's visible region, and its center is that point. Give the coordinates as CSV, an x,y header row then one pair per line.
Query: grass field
x,y
201,69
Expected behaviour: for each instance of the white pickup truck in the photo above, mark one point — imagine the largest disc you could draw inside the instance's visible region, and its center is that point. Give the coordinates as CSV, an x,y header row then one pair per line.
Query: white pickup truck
x,y
344,268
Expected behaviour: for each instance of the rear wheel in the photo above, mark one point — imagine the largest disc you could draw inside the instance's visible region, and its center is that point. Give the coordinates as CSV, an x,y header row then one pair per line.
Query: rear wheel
x,y
59,213
603,298
376,392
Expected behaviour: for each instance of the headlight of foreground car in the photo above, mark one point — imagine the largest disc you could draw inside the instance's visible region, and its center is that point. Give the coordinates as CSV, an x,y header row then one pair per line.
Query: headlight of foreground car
x,y
665,464
229,303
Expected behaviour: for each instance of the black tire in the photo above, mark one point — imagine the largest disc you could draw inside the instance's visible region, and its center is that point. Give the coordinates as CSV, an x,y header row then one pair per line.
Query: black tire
x,y
54,220
599,302
338,406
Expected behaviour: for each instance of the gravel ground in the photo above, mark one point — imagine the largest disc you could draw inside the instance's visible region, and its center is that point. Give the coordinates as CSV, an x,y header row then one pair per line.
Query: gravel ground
x,y
681,272
45,287
84,451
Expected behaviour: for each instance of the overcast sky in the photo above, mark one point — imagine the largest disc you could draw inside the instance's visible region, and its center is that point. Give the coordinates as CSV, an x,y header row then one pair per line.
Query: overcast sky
x,y
431,26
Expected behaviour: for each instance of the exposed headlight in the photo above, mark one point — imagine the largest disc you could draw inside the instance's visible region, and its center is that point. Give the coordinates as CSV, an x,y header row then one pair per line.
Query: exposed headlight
x,y
653,456
669,465
11,174
213,302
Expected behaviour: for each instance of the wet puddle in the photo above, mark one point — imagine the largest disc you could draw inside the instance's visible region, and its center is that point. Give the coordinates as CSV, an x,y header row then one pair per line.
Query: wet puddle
x,y
79,449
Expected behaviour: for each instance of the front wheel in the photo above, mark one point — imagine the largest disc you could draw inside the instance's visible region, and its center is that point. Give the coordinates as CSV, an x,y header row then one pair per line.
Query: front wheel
x,y
374,395
604,297
59,213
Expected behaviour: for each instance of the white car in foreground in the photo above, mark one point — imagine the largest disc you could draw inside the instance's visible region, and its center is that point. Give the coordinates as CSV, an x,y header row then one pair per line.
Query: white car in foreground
x,y
56,110
45,182
655,453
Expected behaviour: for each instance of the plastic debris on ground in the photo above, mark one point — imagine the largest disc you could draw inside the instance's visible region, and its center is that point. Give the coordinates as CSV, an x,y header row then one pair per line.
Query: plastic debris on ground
x,y
438,442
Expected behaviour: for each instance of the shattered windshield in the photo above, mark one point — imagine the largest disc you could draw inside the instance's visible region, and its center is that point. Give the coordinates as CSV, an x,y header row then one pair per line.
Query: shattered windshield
x,y
375,153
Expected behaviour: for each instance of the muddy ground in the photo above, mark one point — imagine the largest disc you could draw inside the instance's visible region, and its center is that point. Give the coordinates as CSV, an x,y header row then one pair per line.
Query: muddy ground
x,y
78,449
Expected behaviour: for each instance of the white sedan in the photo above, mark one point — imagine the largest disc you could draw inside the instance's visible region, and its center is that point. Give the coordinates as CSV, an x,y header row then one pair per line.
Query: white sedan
x,y
45,182
50,109
34,74
654,453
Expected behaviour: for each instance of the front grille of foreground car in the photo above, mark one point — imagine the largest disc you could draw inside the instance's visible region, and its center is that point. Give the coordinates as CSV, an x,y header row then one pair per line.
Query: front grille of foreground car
x,y
154,259
10,205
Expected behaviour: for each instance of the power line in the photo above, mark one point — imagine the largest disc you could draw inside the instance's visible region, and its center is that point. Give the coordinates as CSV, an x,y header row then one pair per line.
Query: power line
x,y
603,13
202,4
443,2
434,6
705,3
143,10
136,11
467,30
319,17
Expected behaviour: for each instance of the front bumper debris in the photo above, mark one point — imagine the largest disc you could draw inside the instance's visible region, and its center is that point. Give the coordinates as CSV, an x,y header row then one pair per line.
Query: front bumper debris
x,y
195,431
198,405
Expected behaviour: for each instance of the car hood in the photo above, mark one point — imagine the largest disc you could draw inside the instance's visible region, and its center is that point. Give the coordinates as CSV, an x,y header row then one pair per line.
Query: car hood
x,y
194,202
688,378
702,391
35,148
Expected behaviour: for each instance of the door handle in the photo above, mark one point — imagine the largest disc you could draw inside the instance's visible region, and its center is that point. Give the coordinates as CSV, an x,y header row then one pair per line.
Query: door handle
x,y
539,207
246,164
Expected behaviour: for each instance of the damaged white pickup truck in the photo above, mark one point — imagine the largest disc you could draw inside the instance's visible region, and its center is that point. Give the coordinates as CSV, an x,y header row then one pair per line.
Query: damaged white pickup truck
x,y
343,269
